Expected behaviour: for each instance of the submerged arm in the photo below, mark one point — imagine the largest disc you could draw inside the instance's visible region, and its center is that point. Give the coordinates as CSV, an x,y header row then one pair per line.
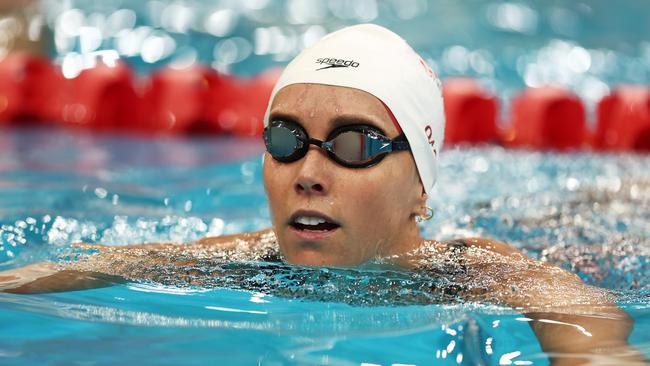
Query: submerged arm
x,y
111,265
573,321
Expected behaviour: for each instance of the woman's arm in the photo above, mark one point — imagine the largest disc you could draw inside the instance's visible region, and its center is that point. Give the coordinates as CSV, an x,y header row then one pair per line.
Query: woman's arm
x,y
109,265
46,277
573,321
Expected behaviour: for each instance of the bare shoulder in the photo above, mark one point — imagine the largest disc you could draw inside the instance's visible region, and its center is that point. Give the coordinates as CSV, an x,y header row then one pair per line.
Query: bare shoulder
x,y
484,252
465,249
491,245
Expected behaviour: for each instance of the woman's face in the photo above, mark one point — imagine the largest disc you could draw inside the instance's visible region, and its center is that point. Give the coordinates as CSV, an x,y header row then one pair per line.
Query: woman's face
x,y
369,212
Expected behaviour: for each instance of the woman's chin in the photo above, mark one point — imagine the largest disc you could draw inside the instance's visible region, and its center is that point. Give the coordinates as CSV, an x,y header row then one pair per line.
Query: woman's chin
x,y
306,255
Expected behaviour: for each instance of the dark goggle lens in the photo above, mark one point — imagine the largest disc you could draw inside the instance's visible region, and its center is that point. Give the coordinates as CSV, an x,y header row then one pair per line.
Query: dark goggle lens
x,y
349,146
281,142
356,147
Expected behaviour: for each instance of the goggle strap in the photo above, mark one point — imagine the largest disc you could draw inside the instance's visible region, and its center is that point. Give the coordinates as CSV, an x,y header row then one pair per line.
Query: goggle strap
x,y
400,145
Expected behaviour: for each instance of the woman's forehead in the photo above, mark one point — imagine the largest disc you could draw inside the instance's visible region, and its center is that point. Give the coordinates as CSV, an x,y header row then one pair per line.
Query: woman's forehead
x,y
332,101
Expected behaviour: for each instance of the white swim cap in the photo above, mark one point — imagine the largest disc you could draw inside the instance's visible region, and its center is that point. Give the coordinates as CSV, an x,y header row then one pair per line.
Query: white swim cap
x,y
374,59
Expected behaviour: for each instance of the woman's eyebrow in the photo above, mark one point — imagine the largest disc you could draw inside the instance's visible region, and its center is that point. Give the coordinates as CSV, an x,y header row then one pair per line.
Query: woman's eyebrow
x,y
283,116
345,120
338,121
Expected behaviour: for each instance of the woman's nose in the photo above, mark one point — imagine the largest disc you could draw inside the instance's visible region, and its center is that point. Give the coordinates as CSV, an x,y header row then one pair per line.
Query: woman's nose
x,y
309,186
312,177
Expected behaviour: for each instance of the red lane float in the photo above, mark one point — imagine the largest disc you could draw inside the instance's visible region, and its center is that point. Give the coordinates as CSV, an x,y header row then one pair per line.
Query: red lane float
x,y
28,88
43,81
547,118
237,106
174,100
101,97
199,100
470,111
11,95
624,119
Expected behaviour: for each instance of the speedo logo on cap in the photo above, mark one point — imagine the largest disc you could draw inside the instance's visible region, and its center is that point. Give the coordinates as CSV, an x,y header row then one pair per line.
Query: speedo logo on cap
x,y
335,62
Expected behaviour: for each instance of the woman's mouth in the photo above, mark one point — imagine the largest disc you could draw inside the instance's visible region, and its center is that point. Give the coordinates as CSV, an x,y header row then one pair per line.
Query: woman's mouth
x,y
312,225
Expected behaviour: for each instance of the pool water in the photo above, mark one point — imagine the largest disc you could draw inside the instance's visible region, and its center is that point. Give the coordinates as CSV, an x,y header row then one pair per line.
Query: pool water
x,y
584,212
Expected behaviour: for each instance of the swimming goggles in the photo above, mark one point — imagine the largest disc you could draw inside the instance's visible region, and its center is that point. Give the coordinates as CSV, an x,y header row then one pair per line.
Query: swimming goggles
x,y
352,146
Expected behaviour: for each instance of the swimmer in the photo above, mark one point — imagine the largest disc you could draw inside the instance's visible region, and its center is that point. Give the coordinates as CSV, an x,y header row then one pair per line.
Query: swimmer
x,y
352,131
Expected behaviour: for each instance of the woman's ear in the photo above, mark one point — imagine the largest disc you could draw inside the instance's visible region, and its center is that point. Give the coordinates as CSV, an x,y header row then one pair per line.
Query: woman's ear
x,y
421,203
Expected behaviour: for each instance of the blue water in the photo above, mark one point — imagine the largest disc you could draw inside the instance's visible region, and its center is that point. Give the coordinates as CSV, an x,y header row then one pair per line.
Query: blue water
x,y
587,213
